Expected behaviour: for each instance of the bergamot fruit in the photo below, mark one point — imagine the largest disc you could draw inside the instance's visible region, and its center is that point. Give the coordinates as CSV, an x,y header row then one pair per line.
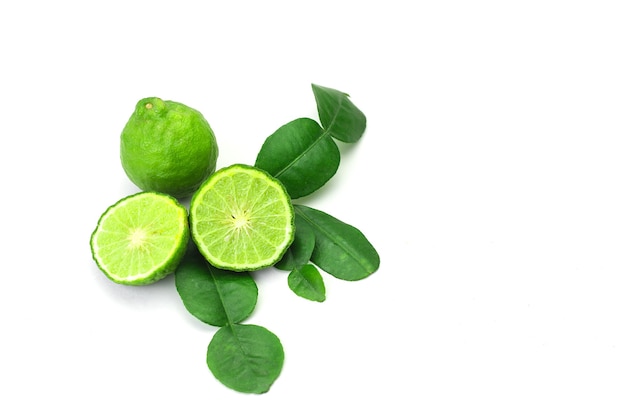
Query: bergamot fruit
x,y
167,147
141,239
242,219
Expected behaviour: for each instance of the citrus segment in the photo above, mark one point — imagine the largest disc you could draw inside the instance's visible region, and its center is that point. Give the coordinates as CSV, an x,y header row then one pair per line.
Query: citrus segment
x,y
242,219
141,238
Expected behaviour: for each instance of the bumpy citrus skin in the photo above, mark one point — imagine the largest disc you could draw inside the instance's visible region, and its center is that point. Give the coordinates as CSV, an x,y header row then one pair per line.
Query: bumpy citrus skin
x,y
167,147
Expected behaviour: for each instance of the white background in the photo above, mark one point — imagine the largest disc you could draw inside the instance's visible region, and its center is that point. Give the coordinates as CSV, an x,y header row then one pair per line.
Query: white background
x,y
491,179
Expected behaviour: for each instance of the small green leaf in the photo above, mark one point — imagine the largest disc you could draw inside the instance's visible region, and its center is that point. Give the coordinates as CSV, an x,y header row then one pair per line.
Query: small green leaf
x,y
245,357
340,249
212,295
301,155
339,116
307,282
299,253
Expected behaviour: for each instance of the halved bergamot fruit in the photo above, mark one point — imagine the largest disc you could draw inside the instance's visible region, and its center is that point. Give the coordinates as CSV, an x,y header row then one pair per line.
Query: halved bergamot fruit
x,y
141,239
242,219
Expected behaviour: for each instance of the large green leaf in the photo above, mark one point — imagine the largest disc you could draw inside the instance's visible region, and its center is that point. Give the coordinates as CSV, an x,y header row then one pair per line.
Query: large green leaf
x,y
301,155
245,357
339,116
212,295
340,249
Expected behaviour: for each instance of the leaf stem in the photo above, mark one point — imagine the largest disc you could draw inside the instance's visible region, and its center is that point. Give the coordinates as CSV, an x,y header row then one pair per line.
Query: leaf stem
x,y
222,299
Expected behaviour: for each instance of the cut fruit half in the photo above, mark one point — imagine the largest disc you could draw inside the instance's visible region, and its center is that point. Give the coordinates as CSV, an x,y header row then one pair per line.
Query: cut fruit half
x,y
242,219
141,238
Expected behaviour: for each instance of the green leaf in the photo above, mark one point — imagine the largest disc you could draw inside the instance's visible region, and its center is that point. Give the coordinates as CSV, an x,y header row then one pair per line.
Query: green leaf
x,y
245,357
301,155
339,116
212,295
300,251
307,282
340,249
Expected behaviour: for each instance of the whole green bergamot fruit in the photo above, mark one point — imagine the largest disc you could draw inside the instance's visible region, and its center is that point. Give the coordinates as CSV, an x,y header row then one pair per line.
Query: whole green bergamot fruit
x,y
167,147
